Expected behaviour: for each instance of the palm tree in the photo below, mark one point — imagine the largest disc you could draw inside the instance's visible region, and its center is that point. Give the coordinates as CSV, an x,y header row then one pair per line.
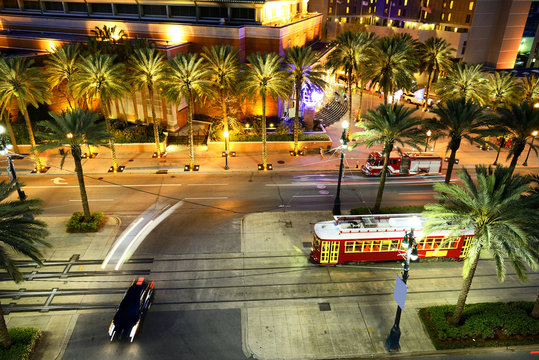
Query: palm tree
x,y
458,119
20,80
519,121
147,68
99,78
503,219
365,40
530,88
435,57
61,65
393,64
502,90
264,77
388,125
75,127
186,77
462,80
224,66
304,68
345,58
21,233
6,108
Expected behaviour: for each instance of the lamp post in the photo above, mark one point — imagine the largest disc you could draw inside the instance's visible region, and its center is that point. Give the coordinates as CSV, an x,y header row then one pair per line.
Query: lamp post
x,y
429,134
534,134
10,168
225,134
337,203
392,341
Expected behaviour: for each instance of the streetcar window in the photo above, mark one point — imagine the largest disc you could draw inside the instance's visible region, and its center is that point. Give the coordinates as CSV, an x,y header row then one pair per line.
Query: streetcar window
x,y
393,162
434,243
316,242
371,160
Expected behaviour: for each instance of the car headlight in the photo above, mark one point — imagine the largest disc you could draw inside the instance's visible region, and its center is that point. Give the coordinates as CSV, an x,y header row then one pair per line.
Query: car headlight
x,y
134,330
111,327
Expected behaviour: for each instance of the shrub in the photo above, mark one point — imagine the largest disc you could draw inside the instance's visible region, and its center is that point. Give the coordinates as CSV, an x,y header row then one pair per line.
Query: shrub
x,y
484,324
409,209
126,132
76,223
282,137
24,343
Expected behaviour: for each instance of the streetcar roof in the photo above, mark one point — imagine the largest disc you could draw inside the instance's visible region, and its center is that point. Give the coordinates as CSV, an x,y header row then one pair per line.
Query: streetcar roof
x,y
380,226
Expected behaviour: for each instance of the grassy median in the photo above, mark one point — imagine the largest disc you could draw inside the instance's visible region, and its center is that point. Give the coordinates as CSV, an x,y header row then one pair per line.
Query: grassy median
x,y
24,343
483,324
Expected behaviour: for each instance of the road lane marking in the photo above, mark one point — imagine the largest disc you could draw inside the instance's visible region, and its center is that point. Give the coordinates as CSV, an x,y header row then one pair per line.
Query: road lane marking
x,y
94,200
308,196
207,184
417,193
355,183
207,198
99,186
59,181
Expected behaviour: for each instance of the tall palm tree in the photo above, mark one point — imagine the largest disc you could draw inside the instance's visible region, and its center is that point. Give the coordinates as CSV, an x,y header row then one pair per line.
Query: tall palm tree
x,y
463,80
147,69
224,66
393,64
61,65
503,219
502,90
187,78
22,234
305,69
26,83
530,88
435,56
519,121
99,79
390,124
459,119
345,58
264,76
365,41
75,127
6,105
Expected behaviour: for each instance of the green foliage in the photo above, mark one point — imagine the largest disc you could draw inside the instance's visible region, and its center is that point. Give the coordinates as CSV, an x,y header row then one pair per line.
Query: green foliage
x,y
76,223
125,132
410,209
24,342
281,137
484,324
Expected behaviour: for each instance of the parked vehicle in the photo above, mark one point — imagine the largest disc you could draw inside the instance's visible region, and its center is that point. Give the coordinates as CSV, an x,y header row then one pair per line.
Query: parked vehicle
x,y
135,304
351,238
411,99
403,164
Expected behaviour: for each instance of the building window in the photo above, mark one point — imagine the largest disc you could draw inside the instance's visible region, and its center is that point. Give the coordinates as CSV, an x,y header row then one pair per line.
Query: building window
x,y
463,47
399,12
180,11
347,10
101,8
405,2
213,12
451,4
428,1
449,17
126,9
53,6
31,5
425,15
370,10
468,16
442,16
11,4
374,10
470,7
403,12
154,10
387,2
76,7
444,4
243,13
330,10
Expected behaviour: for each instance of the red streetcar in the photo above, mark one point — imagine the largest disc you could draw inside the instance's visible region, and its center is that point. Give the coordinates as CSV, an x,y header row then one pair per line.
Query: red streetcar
x,y
403,164
351,238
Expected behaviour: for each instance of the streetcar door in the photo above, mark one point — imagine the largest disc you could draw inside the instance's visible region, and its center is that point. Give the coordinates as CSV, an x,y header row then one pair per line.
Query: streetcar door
x,y
334,252
324,252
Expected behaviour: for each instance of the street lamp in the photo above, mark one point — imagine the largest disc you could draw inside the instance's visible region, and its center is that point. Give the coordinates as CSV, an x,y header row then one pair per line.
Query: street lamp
x,y
534,134
225,134
337,203
429,133
408,243
10,168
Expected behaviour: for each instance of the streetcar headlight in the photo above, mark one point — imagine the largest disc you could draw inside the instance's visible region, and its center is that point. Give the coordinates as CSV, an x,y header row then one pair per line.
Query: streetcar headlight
x,y
111,327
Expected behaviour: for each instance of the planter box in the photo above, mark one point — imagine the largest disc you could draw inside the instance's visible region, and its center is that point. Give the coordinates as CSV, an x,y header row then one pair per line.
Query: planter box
x,y
272,146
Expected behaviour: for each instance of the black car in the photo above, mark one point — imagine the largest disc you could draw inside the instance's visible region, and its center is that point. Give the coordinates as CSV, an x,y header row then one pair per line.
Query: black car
x,y
136,302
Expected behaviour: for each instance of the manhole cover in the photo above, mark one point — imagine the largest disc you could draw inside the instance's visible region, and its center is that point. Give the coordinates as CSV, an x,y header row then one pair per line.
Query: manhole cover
x,y
324,307
161,172
280,162
306,244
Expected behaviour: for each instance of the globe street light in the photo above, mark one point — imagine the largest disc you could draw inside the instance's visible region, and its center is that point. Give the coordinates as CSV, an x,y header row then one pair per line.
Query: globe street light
x,y
337,203
534,134
225,134
429,133
4,150
408,243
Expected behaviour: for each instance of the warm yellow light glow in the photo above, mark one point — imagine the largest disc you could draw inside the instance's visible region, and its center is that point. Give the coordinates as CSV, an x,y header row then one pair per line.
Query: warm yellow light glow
x,y
225,134
345,124
536,105
535,133
70,136
175,34
52,45
429,133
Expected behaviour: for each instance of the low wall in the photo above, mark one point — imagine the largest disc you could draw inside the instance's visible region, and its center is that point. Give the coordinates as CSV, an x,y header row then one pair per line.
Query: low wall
x,y
253,146
120,148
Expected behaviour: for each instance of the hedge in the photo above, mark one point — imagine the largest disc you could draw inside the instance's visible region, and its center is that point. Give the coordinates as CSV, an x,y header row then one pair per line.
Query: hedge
x,y
282,137
483,324
77,225
409,209
23,344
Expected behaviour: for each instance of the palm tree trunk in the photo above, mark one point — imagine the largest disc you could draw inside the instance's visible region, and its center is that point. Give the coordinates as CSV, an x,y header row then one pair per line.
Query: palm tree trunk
x,y
37,160
350,122
516,154
111,139
535,310
426,95
455,319
296,117
10,128
155,126
190,128
135,107
76,152
450,165
360,100
4,334
264,150
225,119
383,176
